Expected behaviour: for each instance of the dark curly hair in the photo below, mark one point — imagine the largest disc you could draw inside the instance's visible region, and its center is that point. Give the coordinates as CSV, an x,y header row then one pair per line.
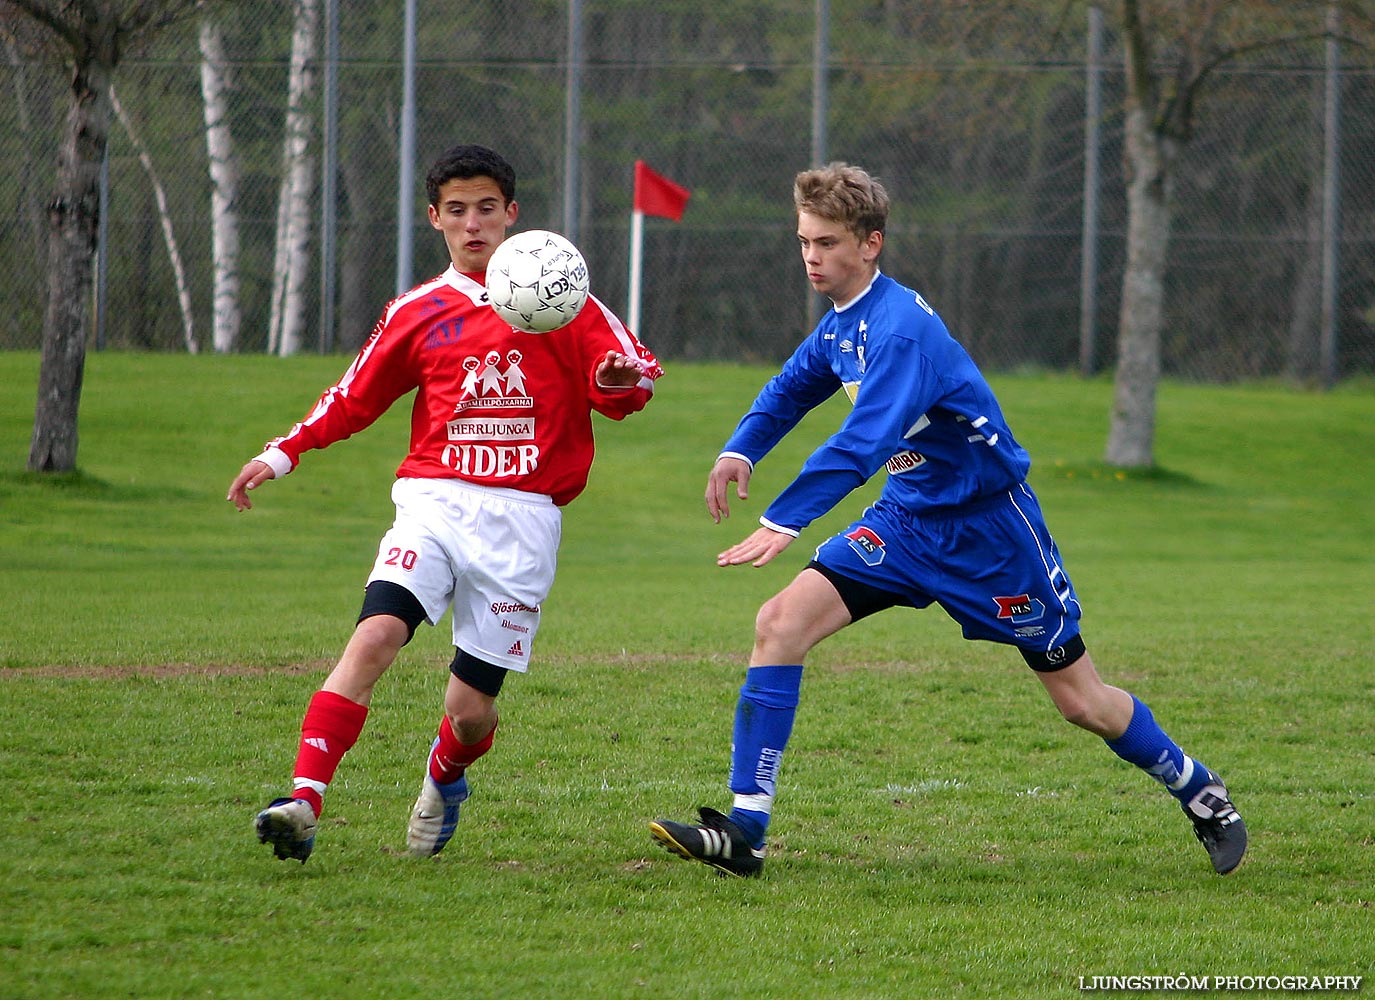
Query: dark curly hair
x,y
468,161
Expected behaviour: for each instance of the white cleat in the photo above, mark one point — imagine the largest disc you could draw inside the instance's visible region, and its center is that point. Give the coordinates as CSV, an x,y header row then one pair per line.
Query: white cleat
x,y
434,816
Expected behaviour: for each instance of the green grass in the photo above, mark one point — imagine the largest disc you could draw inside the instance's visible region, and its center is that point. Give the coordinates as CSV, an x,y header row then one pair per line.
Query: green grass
x,y
939,831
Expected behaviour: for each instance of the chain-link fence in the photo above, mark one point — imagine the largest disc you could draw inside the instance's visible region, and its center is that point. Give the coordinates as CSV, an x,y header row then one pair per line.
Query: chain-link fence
x,y
981,141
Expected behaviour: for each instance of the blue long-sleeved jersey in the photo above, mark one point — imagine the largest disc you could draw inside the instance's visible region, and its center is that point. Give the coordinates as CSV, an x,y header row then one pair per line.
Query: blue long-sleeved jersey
x,y
921,408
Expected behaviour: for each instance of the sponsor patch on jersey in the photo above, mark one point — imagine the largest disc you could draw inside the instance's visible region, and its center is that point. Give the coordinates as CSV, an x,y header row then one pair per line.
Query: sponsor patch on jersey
x,y
904,461
868,544
487,385
1022,608
492,429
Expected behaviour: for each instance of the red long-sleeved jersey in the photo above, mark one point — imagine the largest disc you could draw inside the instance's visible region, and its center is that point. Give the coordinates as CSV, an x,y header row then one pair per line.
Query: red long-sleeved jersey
x,y
495,406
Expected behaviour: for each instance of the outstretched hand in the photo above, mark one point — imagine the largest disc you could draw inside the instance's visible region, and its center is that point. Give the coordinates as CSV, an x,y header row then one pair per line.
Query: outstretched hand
x,y
250,477
758,549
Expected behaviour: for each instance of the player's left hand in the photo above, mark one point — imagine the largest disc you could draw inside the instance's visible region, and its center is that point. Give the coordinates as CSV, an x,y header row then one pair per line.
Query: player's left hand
x,y
757,549
619,371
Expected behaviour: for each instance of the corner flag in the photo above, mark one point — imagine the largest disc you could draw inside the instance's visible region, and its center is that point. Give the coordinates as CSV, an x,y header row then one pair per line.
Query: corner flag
x,y
654,195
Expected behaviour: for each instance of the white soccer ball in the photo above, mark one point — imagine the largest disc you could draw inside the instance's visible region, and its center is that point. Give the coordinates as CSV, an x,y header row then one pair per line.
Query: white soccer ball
x,y
537,281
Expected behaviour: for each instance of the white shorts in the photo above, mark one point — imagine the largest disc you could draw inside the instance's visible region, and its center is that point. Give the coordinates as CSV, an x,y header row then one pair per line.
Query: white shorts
x,y
488,552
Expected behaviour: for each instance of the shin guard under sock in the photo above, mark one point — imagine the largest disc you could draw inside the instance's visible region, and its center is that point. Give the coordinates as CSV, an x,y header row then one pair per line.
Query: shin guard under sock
x,y
330,728
763,722
450,757
1147,746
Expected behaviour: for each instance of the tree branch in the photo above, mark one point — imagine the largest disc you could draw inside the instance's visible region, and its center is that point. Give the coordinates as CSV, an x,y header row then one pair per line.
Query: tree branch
x,y
49,18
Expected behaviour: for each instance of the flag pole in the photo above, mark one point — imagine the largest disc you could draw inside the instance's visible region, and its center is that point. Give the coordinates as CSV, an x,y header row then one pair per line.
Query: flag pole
x,y
637,238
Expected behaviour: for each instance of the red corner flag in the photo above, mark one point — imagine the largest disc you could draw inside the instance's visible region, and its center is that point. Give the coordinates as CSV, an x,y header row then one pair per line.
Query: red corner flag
x,y
657,195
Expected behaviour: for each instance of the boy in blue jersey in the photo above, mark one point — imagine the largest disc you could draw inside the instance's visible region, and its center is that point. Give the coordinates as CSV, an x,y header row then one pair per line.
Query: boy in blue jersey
x,y
956,524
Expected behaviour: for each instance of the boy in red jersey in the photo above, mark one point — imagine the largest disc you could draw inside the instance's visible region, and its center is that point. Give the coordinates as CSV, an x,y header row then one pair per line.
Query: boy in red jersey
x,y
501,439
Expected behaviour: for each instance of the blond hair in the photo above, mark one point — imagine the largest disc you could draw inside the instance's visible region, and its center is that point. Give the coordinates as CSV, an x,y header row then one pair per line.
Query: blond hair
x,y
840,192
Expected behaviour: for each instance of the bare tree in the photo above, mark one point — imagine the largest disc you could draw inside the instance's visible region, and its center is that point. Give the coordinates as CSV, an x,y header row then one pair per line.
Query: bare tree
x,y
92,36
1170,48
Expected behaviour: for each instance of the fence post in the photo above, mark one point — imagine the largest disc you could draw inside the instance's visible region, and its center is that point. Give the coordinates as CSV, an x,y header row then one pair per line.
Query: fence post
x,y
329,209
405,193
572,124
1088,267
821,58
1331,202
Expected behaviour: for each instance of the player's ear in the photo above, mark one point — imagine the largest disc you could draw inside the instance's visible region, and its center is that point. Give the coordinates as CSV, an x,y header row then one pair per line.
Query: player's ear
x,y
512,210
434,219
872,246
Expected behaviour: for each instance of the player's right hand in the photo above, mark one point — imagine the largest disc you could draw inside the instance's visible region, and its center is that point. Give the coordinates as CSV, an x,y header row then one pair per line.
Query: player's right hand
x,y
727,470
249,478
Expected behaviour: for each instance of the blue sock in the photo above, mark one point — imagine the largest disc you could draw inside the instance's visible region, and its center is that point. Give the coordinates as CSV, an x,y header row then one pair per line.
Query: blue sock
x,y
1145,744
763,722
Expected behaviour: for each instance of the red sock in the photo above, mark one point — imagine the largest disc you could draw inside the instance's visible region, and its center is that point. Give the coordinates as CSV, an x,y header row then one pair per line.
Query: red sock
x,y
451,758
330,727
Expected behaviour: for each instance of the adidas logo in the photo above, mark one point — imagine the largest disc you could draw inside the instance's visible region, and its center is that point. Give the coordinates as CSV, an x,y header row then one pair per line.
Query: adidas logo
x,y
515,649
318,742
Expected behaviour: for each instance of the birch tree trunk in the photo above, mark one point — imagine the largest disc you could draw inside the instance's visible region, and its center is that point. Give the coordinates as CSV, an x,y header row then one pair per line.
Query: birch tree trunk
x,y
216,86
169,234
292,262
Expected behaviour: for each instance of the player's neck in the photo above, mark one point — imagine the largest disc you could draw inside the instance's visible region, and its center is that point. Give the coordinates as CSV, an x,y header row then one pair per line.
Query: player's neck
x,y
843,302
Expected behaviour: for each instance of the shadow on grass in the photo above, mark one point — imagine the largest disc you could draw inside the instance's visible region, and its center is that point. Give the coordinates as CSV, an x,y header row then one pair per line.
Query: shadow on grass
x,y
78,485
1099,472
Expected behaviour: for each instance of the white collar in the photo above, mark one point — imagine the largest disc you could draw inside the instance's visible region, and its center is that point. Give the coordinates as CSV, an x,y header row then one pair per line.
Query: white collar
x,y
841,309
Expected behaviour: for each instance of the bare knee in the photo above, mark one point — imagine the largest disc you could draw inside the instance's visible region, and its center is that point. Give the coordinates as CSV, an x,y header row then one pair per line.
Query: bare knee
x,y
379,637
1084,700
470,725
472,714
771,624
1077,711
1103,710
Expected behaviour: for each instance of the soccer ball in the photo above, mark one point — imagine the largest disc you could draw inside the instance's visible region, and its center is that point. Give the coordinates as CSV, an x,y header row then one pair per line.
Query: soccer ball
x,y
537,281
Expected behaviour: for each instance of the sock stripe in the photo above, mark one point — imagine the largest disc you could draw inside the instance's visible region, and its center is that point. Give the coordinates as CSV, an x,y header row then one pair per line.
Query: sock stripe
x,y
1186,775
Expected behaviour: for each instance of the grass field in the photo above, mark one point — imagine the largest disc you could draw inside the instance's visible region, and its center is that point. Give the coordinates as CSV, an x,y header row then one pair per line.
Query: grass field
x,y
939,831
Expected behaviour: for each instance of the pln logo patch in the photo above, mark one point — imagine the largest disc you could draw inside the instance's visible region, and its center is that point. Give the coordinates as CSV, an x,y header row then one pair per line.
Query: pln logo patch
x,y
1019,609
868,544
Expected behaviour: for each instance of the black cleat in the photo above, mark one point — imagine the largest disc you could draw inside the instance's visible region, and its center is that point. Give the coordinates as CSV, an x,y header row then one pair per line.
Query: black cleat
x,y
717,842
1217,825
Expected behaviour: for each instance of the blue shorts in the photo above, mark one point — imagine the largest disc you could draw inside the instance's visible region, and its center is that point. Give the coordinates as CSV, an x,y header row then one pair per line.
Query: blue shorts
x,y
991,565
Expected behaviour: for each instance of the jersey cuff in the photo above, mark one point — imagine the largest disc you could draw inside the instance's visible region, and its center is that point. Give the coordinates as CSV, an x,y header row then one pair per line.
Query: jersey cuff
x,y
736,454
276,460
778,527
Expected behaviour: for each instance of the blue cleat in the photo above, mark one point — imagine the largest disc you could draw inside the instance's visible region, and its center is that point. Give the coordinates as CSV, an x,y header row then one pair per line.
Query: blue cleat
x,y
434,816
